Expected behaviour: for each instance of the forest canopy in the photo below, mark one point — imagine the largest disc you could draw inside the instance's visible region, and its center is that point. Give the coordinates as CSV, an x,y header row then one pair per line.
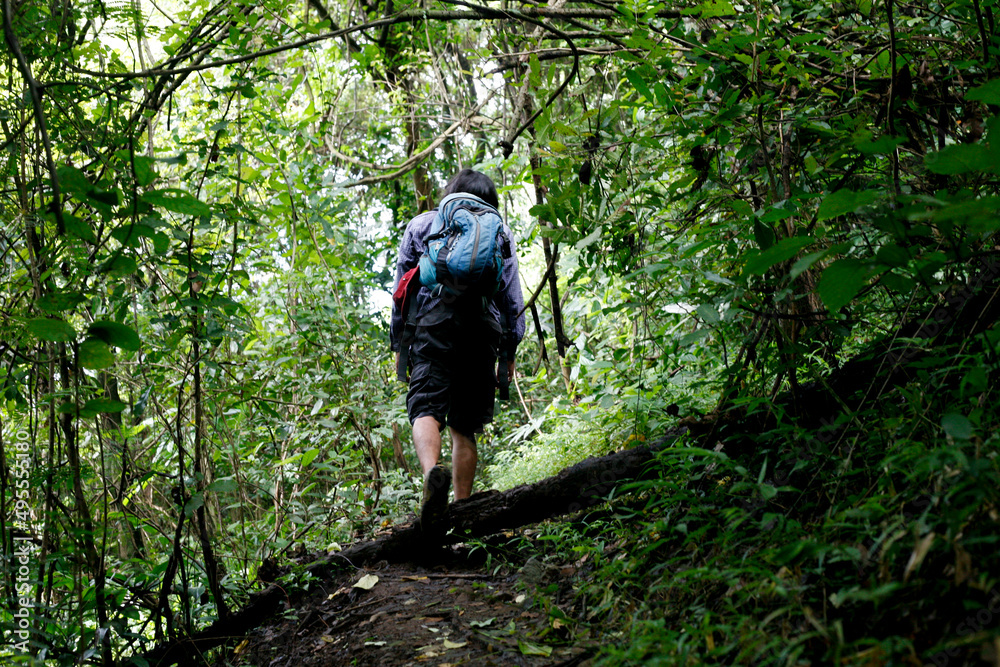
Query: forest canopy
x,y
717,205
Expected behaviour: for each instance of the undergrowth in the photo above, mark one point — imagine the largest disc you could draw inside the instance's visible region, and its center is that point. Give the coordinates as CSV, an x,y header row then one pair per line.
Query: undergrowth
x,y
870,541
571,439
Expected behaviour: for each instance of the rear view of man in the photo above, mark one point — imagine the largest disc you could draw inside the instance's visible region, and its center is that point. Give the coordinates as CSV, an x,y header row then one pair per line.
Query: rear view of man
x,y
448,342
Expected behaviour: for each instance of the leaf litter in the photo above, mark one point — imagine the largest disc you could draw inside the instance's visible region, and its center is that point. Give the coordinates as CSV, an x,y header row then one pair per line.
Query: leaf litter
x,y
450,613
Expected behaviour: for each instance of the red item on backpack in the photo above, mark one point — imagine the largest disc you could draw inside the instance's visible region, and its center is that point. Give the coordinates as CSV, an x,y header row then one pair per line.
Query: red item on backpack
x,y
401,296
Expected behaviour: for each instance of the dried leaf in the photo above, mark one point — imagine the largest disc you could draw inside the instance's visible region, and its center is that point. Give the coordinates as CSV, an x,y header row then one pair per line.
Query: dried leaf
x,y
482,624
920,550
963,565
450,644
367,582
413,577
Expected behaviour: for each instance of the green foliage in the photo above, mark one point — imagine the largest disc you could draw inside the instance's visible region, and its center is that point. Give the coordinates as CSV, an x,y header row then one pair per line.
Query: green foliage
x,y
203,211
571,440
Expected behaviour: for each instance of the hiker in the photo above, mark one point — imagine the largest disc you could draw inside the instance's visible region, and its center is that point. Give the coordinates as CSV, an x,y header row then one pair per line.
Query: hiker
x,y
454,344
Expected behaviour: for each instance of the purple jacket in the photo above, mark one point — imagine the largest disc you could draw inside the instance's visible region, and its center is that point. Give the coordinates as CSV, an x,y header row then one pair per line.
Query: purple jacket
x,y
508,298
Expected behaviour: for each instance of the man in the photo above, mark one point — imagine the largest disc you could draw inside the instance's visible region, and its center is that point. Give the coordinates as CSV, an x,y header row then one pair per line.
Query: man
x,y
452,358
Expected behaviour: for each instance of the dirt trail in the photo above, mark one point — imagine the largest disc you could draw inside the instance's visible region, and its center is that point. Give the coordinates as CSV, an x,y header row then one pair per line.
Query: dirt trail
x,y
450,613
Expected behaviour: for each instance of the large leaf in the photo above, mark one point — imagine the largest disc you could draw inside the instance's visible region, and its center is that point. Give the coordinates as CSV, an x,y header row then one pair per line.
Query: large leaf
x,y
843,202
989,93
72,180
639,84
177,201
841,282
957,426
962,159
96,406
58,301
95,354
117,334
79,228
781,251
51,329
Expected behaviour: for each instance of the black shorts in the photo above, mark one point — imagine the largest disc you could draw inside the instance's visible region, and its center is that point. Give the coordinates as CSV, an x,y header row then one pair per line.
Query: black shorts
x,y
453,374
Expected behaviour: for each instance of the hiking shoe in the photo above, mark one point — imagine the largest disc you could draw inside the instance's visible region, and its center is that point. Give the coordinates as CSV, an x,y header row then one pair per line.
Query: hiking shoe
x,y
434,508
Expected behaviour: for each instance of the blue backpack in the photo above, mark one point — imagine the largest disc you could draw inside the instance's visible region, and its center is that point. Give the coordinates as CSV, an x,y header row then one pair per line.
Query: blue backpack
x,y
465,248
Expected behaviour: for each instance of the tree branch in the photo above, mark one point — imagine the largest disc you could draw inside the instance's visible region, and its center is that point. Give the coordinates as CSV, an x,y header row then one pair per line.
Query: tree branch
x,y
530,14
414,159
35,91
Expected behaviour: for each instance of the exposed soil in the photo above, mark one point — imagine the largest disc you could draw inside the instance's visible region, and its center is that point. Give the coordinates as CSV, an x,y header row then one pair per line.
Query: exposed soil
x,y
450,611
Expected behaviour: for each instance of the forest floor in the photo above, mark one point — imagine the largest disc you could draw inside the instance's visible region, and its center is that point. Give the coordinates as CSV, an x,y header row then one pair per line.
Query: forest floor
x,y
454,608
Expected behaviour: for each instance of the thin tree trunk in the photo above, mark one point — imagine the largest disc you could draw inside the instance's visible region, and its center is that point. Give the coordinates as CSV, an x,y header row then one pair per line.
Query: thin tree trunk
x,y
551,252
95,561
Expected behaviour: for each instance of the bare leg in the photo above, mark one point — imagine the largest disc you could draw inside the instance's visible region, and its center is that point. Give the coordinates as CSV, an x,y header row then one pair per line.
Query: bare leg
x,y
463,462
427,441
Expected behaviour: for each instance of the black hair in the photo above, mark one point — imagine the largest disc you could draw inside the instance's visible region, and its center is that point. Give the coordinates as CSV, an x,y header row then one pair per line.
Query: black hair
x,y
475,183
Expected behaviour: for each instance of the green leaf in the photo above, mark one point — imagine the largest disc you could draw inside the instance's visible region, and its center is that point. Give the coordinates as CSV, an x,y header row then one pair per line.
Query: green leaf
x,y
843,202
956,426
161,243
897,283
892,255
51,329
129,235
95,354
590,239
708,313
120,266
961,159
763,235
72,180
841,282
639,84
781,251
775,214
145,170
802,264
193,503
309,457
79,228
989,93
528,648
97,405
59,301
117,334
712,8
178,201
884,145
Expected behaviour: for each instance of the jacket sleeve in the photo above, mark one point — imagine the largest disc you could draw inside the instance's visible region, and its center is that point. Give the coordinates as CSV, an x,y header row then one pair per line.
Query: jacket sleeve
x,y
407,259
509,299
